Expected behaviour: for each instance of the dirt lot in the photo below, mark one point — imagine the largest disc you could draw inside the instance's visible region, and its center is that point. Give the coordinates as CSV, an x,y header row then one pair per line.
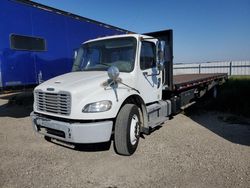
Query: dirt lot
x,y
201,149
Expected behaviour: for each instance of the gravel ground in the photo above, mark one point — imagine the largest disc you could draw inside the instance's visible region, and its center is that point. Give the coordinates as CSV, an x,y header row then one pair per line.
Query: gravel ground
x,y
195,150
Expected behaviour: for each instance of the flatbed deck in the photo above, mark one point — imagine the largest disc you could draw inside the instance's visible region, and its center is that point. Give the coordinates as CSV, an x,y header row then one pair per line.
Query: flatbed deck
x,y
186,81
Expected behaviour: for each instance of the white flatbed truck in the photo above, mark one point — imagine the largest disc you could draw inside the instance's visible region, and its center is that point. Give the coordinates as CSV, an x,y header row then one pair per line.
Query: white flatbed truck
x,y
119,85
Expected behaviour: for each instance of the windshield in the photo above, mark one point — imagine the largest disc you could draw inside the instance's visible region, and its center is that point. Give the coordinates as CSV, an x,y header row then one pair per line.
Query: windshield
x,y
100,55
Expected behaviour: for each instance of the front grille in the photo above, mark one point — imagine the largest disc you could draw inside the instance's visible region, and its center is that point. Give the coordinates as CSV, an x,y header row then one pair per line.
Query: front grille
x,y
57,103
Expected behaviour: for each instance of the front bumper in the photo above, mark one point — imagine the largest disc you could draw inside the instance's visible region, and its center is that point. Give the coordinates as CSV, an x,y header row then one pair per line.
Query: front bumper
x,y
72,132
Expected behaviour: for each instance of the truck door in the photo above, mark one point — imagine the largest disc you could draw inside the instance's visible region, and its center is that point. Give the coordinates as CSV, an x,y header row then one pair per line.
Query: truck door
x,y
149,77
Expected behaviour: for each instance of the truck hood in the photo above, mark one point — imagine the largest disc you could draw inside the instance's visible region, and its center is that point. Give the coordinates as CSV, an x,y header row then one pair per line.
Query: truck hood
x,y
85,82
85,88
73,80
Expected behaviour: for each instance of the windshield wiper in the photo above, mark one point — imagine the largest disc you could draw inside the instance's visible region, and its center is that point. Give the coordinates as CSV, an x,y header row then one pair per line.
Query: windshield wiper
x,y
99,67
107,65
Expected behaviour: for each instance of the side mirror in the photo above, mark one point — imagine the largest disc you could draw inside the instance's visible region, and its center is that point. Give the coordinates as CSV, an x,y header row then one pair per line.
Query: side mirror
x,y
75,53
113,73
161,49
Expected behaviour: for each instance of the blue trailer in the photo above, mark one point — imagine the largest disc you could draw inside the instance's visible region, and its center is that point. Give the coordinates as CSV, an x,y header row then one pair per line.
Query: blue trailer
x,y
37,42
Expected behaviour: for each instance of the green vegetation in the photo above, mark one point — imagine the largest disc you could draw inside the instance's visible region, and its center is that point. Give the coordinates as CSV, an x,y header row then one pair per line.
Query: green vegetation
x,y
234,96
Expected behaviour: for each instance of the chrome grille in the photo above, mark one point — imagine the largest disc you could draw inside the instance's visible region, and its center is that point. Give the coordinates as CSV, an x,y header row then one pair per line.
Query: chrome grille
x,y
58,103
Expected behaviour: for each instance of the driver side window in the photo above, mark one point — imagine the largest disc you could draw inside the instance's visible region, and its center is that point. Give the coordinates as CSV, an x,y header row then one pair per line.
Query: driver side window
x,y
148,55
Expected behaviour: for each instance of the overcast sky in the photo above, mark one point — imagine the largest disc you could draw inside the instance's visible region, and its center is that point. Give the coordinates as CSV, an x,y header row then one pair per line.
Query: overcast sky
x,y
204,30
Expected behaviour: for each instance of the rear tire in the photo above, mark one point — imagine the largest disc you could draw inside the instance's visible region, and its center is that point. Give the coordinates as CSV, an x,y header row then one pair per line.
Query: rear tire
x,y
215,92
127,130
47,138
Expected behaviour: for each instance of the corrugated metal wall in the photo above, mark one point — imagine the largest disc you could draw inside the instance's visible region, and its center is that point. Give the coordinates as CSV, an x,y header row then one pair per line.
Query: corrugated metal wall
x,y
230,67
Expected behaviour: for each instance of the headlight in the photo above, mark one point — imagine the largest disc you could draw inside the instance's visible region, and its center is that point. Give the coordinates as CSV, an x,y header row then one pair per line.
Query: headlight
x,y
100,106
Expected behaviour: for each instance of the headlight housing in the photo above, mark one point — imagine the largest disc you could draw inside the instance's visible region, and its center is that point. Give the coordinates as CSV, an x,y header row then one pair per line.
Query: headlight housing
x,y
100,106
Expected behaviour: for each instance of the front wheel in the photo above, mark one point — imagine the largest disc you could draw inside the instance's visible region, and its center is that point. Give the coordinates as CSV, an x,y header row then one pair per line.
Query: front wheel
x,y
127,130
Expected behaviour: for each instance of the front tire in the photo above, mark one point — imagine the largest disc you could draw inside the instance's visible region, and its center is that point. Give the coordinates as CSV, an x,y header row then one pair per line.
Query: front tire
x,y
127,130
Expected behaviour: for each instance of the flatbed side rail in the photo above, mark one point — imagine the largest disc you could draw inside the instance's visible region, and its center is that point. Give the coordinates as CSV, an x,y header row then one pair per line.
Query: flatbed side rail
x,y
188,81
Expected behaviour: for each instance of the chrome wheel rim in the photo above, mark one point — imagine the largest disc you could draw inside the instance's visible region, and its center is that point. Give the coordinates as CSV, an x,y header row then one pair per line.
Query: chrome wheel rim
x,y
134,129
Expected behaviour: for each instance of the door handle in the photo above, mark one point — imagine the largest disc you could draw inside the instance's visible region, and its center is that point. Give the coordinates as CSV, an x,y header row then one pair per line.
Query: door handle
x,y
146,74
159,83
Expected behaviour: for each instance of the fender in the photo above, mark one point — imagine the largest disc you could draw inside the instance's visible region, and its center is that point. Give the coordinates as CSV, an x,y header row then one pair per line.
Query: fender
x,y
137,100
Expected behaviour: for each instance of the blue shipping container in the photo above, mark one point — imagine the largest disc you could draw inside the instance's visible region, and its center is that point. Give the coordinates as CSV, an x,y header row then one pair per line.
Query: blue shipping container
x,y
38,42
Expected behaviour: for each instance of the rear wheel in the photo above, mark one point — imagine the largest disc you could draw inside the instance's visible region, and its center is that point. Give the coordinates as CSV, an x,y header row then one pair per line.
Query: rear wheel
x,y
215,92
127,130
47,138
